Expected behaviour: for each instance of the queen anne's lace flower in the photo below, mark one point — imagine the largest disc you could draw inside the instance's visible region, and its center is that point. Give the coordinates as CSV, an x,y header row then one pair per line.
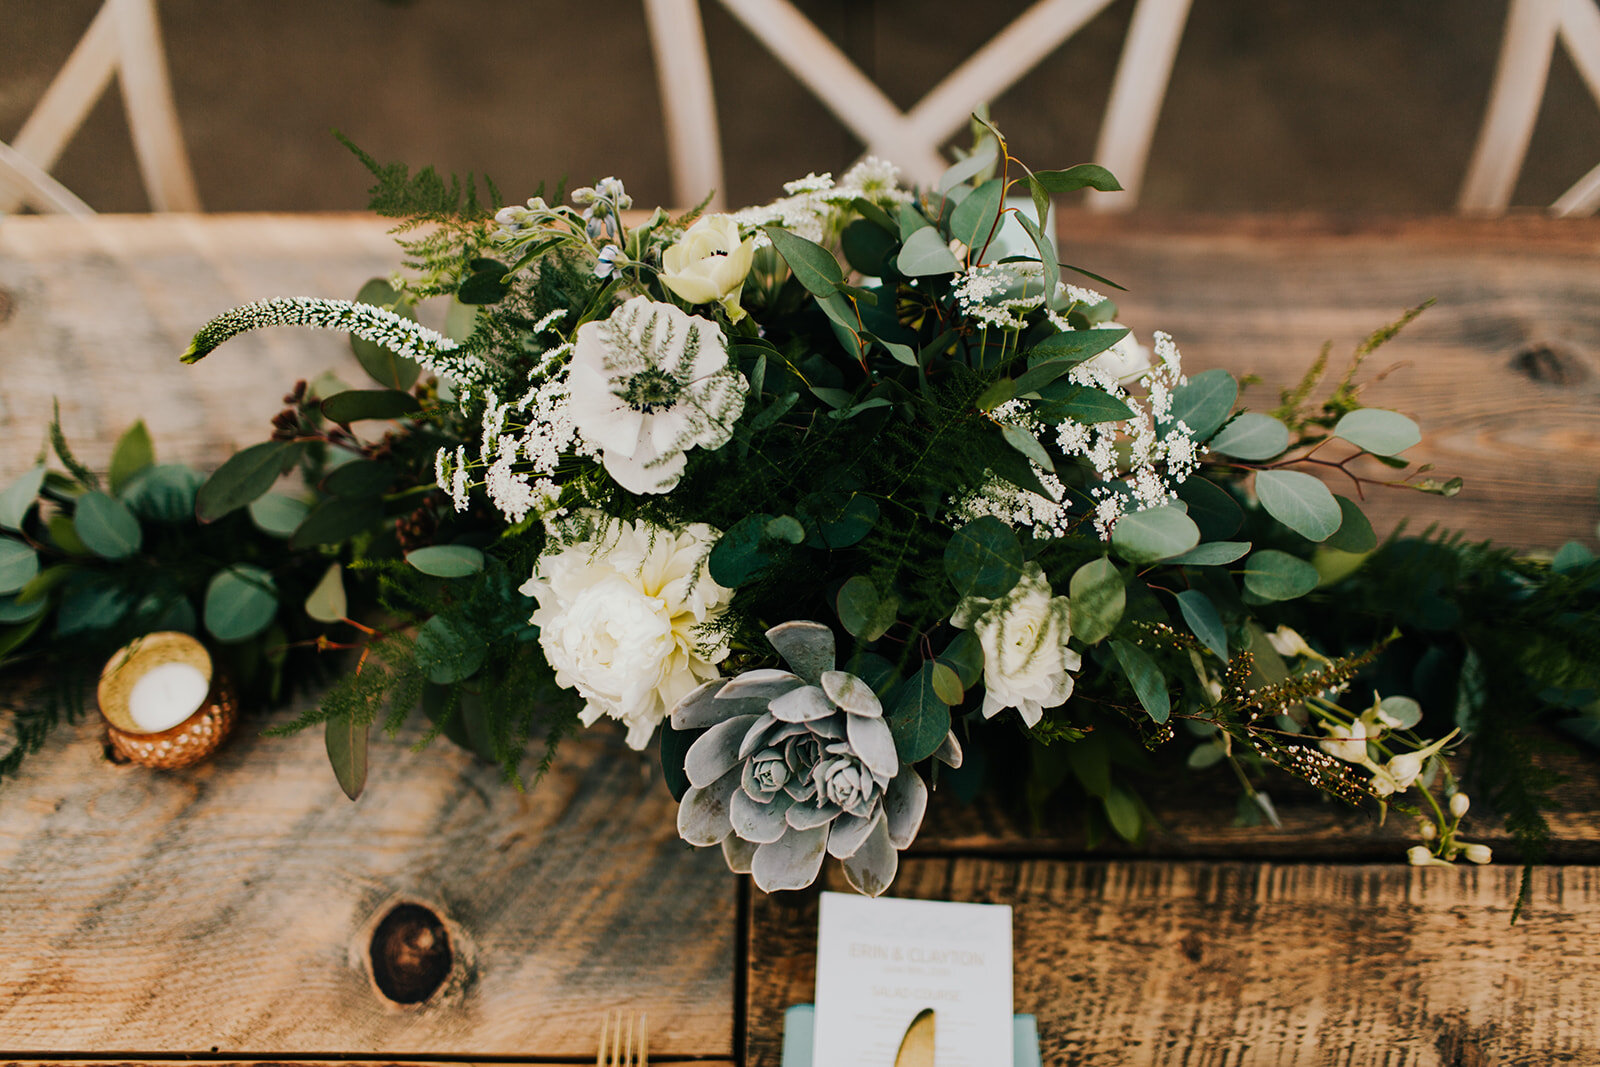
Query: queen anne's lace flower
x,y
649,383
623,617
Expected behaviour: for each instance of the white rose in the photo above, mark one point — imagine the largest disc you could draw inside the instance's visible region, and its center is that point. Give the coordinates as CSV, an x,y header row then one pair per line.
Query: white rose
x,y
621,616
1025,655
709,264
1126,360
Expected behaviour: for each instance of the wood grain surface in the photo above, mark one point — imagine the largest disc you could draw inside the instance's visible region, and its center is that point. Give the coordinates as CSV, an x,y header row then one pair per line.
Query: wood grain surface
x,y
1503,373
1186,963
1195,812
232,906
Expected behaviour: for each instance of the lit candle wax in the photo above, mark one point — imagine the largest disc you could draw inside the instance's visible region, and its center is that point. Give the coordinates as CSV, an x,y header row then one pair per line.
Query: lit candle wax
x,y
166,695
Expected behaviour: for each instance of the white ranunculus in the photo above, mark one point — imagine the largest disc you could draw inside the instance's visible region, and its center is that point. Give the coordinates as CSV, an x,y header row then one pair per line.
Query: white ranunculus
x,y
709,264
646,385
1025,655
1126,360
622,617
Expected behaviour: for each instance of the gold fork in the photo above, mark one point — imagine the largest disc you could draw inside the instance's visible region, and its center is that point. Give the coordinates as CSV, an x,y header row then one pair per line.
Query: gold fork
x,y
622,1052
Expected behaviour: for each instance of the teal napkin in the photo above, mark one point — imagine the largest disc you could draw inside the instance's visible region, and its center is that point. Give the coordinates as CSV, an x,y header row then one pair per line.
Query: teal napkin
x,y
800,1022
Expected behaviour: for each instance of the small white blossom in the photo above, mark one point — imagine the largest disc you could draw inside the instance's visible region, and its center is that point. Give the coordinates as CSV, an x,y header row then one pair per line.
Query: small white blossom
x,y
1459,803
610,258
1026,661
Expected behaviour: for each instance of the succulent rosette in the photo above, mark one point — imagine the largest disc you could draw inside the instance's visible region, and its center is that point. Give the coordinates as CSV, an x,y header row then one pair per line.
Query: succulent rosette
x,y
796,765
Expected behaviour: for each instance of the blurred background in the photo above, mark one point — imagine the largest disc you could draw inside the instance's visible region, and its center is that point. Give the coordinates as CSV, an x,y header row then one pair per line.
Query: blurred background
x,y
1363,106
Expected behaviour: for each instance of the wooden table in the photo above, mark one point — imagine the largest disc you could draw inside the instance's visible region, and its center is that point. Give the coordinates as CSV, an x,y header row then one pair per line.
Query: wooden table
x,y
228,912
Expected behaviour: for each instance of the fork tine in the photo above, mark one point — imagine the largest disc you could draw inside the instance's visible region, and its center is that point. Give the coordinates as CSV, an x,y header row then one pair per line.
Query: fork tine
x,y
600,1056
644,1040
627,1049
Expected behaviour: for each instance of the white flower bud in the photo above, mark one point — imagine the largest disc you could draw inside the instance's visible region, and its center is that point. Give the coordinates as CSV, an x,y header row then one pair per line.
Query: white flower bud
x,y
1459,804
1419,856
1477,853
1429,831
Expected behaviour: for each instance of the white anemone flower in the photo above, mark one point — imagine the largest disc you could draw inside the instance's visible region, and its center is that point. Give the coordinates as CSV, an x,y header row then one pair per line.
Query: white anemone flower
x,y
646,385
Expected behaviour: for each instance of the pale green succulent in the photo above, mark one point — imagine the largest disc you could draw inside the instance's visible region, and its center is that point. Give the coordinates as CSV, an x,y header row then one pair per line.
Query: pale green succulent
x,y
796,765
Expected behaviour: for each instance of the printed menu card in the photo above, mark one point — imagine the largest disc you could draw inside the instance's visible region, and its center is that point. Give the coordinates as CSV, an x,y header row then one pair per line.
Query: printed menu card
x,y
912,983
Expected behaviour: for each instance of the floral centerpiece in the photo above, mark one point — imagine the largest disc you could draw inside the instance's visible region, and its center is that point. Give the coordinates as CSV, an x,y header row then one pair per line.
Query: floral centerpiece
x,y
830,501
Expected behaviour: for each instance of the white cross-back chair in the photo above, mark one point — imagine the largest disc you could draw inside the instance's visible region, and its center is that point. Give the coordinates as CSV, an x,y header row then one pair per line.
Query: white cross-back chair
x,y
1532,29
911,139
124,39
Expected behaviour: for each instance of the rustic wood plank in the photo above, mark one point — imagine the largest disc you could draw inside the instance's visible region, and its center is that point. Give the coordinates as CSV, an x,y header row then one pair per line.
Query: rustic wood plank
x,y
1503,374
232,905
1200,963
1195,812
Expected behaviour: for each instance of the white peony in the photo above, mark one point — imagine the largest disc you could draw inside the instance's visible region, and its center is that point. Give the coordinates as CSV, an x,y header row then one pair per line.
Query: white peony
x,y
621,619
709,264
1025,655
649,383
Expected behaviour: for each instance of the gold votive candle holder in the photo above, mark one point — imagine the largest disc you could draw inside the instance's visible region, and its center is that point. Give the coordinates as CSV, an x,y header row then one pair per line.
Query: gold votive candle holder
x,y
164,704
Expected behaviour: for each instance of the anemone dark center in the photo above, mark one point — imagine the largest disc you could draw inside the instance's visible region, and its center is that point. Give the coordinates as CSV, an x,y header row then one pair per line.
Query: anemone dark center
x,y
650,390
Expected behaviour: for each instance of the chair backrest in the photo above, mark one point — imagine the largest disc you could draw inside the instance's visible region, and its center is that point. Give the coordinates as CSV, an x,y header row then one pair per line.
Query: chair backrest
x,y
911,139
124,39
1532,29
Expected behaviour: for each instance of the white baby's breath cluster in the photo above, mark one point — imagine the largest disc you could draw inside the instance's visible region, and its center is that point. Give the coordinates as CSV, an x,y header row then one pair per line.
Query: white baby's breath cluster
x,y
816,204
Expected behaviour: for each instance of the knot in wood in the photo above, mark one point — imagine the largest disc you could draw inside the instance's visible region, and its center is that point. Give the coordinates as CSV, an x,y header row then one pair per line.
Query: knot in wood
x,y
411,954
1549,365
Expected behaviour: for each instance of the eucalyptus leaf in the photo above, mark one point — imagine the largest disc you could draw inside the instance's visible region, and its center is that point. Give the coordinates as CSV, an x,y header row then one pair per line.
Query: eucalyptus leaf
x,y
1142,672
837,519
106,526
1212,508
1406,712
1027,444
1122,812
241,601
1204,402
926,253
19,563
447,654
13,610
1212,554
1154,534
977,217
1082,176
1047,256
918,718
277,514
163,492
385,367
1065,402
813,266
980,160
1098,597
1274,575
867,248
335,520
1383,433
1355,533
245,476
346,743
857,604
742,553
327,602
983,558
447,561
1204,622
964,653
134,451
1300,502
355,405
1251,436
19,497
946,683
360,479
64,535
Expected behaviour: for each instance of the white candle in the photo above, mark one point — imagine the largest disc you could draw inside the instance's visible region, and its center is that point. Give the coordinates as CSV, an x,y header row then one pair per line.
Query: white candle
x,y
166,695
